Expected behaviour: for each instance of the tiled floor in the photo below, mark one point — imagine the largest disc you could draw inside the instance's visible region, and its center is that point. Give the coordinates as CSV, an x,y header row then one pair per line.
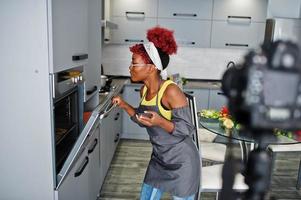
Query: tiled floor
x,y
129,164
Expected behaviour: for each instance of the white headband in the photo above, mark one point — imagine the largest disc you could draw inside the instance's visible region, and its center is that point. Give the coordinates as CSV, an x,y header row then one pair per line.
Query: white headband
x,y
154,56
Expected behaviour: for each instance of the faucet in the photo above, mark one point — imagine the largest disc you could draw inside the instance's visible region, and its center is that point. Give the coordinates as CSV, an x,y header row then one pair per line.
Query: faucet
x,y
230,64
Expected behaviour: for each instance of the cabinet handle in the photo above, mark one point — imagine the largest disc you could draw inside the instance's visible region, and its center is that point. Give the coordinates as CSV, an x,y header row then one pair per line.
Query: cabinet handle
x,y
239,19
135,13
133,40
79,57
189,92
88,92
116,138
93,146
185,14
187,42
82,167
221,93
117,116
137,90
107,40
236,45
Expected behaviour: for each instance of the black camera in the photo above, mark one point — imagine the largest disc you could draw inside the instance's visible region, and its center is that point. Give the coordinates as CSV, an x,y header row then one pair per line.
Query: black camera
x,y
264,92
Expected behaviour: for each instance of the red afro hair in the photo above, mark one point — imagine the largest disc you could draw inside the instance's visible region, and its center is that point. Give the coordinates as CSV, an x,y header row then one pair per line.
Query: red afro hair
x,y
140,50
162,39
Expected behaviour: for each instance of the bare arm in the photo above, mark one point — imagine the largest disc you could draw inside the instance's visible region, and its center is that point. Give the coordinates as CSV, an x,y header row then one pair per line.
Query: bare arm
x,y
173,98
124,105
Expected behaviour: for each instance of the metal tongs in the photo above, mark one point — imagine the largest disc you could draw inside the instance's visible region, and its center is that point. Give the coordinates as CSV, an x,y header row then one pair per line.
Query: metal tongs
x,y
107,110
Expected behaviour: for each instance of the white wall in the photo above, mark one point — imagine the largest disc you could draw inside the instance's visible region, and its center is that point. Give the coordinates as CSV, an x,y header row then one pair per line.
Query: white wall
x,y
284,8
194,63
26,168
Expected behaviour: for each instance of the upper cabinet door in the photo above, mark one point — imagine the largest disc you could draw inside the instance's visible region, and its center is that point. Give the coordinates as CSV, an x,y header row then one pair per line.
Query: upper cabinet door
x,y
131,31
70,33
134,8
192,9
225,35
194,33
252,10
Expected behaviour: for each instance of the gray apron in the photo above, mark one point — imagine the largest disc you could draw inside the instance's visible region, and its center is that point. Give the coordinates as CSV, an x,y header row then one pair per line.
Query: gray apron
x,y
174,166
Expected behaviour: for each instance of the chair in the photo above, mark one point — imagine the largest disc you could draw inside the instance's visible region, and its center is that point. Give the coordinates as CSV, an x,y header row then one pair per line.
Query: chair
x,y
285,148
210,151
211,176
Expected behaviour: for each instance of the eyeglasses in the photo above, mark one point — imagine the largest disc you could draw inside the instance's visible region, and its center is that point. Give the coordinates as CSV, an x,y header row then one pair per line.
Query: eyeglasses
x,y
138,64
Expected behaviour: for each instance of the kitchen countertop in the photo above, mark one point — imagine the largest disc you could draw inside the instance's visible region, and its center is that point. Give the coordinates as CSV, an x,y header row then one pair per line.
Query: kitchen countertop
x,y
104,98
200,84
194,84
118,83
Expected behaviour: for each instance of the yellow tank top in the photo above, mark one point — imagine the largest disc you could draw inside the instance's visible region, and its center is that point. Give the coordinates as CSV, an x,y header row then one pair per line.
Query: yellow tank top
x,y
165,113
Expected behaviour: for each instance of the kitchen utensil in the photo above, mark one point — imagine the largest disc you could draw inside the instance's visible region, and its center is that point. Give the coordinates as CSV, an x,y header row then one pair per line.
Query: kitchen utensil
x,y
103,80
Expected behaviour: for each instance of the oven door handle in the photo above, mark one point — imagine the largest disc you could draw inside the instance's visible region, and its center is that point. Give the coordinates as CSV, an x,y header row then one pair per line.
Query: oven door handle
x,y
108,109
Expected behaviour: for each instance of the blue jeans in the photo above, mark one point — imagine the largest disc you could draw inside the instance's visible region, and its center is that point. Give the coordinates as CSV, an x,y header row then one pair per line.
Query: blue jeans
x,y
150,193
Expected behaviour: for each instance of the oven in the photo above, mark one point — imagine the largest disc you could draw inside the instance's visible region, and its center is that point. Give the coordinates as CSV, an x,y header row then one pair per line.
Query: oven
x,y
67,112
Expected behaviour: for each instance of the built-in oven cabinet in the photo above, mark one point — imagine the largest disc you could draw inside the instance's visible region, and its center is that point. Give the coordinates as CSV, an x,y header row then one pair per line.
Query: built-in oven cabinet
x,y
69,33
83,180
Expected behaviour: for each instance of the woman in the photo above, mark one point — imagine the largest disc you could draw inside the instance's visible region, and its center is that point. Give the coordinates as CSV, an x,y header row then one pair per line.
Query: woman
x,y
174,166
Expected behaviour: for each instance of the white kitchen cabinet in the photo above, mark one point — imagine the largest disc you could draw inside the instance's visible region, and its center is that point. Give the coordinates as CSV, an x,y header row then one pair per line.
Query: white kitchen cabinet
x,y
76,184
131,130
237,35
106,130
92,68
69,33
93,149
284,9
195,33
131,30
248,10
201,97
134,8
83,180
103,148
188,9
216,99
117,117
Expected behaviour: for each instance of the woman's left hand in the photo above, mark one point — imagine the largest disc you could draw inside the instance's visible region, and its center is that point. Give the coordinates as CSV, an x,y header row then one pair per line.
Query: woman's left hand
x,y
154,120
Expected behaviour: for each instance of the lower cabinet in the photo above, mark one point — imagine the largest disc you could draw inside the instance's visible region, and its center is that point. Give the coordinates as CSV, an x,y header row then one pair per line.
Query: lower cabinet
x,y
207,98
93,150
83,180
216,99
201,97
110,131
130,130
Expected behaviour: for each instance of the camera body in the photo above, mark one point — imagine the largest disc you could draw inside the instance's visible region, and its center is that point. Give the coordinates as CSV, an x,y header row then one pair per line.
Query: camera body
x,y
264,92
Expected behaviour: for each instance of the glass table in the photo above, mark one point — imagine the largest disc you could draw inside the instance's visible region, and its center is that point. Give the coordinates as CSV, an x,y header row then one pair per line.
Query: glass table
x,y
244,139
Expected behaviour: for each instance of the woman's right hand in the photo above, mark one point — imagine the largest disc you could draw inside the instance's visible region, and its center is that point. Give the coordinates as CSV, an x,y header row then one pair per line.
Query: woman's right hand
x,y
119,101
